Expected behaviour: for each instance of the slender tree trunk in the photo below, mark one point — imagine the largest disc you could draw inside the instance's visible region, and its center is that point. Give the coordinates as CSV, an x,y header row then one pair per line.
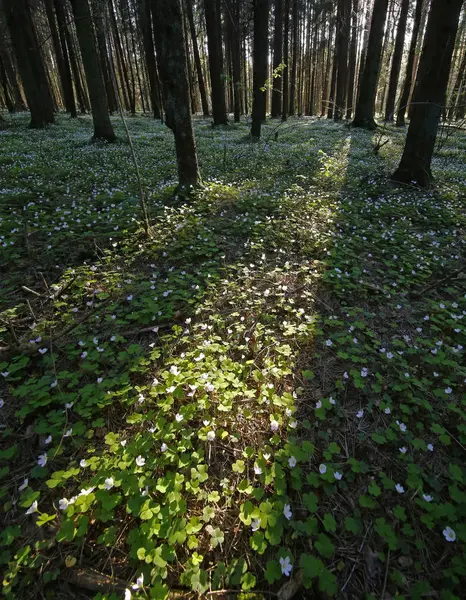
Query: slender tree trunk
x,y
261,46
420,44
344,15
286,70
233,26
12,79
434,70
99,16
365,107
277,83
6,88
352,58
149,53
400,115
396,62
197,58
64,70
30,62
217,76
69,52
102,126
294,62
171,57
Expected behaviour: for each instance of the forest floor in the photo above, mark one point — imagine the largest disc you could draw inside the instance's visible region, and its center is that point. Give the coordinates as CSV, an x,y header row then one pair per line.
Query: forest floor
x,y
270,389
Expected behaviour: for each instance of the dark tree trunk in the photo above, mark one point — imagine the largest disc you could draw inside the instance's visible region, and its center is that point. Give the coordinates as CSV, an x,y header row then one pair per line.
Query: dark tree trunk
x,y
99,16
120,57
172,64
233,24
149,52
352,58
6,88
286,70
403,102
294,62
365,107
30,62
64,70
261,46
277,83
333,87
197,59
365,41
343,16
84,27
69,53
396,61
12,80
217,76
433,74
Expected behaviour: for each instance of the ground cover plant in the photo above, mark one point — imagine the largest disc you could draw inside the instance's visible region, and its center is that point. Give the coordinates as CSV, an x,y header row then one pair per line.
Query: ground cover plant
x,y
267,392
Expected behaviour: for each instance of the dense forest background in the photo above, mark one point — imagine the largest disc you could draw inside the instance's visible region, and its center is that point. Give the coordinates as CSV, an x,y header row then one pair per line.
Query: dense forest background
x,y
349,59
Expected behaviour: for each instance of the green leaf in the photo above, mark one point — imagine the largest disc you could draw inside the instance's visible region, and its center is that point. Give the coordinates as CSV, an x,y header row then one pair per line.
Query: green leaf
x,y
216,536
329,522
311,568
324,546
272,572
328,582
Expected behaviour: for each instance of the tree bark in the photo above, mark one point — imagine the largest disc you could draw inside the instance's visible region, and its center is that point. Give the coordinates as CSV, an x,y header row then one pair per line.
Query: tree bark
x,y
83,19
294,61
217,76
99,16
277,83
233,24
261,46
172,64
365,107
433,74
149,52
396,61
30,62
343,17
69,52
352,59
286,70
64,70
197,58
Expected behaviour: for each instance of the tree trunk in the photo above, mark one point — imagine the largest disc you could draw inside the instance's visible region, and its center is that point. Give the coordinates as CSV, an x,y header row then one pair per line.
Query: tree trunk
x,y
197,59
261,46
12,80
172,64
69,53
400,115
64,70
294,61
396,62
434,70
343,16
352,58
365,107
30,62
233,24
6,88
149,52
277,83
84,27
99,16
217,76
286,70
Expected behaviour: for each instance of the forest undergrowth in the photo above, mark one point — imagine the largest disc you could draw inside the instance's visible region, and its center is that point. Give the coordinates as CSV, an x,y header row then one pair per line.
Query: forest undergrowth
x,y
267,392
